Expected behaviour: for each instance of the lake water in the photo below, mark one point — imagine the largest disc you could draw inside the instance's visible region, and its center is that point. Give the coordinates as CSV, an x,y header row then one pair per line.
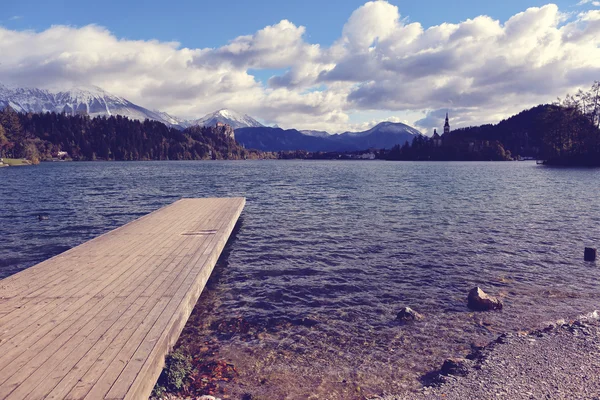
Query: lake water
x,y
305,297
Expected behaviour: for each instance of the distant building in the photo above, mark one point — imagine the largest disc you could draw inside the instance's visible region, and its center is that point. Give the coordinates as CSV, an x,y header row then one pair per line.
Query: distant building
x,y
226,129
447,126
367,156
436,138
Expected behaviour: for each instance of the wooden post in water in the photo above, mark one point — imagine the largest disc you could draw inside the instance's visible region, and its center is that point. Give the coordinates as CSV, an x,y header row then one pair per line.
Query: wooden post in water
x,y
590,254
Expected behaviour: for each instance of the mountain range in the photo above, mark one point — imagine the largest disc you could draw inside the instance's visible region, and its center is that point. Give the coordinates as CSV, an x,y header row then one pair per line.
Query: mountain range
x,y
385,135
90,100
94,101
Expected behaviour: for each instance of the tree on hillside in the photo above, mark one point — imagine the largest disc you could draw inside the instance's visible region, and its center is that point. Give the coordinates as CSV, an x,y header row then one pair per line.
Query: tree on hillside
x,y
572,126
42,136
586,102
9,119
3,141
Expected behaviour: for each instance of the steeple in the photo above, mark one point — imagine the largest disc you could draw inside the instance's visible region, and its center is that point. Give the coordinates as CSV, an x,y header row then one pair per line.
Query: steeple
x,y
447,125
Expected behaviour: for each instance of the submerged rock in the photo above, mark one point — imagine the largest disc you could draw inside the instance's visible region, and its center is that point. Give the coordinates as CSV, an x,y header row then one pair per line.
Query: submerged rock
x,y
455,366
408,314
478,300
452,367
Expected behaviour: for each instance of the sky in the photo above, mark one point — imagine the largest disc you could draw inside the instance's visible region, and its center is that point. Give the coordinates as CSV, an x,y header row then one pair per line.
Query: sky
x,y
336,65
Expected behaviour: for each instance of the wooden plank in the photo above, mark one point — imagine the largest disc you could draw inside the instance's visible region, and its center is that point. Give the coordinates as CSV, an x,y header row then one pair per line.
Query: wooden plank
x,y
75,284
16,285
84,362
98,320
60,263
121,348
167,320
165,333
53,326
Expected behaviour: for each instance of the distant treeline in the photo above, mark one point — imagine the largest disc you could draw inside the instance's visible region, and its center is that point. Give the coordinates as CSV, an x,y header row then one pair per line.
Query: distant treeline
x,y
40,137
519,136
564,133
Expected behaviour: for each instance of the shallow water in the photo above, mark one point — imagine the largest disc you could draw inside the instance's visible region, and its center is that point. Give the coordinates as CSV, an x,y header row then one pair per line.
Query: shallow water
x,y
326,253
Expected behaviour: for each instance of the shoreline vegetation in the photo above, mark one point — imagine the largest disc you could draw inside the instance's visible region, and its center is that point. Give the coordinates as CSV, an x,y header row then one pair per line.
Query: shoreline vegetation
x,y
566,133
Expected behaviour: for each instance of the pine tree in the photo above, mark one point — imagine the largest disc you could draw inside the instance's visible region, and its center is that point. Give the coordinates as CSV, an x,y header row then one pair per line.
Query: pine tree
x,y
3,141
9,119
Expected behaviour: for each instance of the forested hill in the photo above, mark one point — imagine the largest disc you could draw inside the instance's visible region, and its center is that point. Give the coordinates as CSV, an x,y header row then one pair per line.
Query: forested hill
x,y
558,134
42,136
564,133
522,134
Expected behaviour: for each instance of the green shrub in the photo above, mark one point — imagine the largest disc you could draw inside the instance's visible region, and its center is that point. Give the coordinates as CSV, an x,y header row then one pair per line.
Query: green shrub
x,y
178,367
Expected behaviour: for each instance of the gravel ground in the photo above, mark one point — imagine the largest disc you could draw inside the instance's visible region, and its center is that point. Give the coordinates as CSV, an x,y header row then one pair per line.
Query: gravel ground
x,y
559,362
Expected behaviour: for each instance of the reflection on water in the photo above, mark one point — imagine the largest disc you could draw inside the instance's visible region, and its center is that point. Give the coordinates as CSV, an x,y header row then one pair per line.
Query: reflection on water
x,y
305,300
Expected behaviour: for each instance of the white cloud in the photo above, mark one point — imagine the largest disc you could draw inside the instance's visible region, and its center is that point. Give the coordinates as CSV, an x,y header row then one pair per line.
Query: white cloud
x,y
374,21
595,3
481,69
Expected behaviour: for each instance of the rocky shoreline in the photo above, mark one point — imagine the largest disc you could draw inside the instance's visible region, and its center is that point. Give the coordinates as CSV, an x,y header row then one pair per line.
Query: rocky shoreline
x,y
560,361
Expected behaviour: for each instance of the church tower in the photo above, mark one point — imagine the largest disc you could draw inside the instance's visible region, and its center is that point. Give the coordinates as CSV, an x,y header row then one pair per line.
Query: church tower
x,y
447,125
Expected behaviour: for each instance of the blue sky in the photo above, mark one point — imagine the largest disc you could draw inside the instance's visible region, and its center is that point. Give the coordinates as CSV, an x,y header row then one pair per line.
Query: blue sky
x,y
200,24
337,65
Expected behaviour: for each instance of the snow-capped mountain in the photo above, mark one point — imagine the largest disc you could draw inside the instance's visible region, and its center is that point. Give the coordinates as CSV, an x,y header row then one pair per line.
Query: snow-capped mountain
x,y
229,117
316,133
382,136
387,128
90,100
94,101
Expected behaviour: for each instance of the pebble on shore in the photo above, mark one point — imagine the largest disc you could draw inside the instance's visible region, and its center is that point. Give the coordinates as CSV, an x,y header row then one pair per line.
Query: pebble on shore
x,y
560,361
408,314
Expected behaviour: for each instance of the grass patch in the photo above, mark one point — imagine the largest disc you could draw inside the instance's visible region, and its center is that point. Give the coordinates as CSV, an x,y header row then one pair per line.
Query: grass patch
x,y
16,162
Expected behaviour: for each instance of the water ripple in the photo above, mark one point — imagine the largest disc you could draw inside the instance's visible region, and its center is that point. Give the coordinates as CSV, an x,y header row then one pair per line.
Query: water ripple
x,y
327,252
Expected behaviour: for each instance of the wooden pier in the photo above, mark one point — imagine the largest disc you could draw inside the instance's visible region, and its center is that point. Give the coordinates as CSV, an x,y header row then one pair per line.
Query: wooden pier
x,y
96,321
